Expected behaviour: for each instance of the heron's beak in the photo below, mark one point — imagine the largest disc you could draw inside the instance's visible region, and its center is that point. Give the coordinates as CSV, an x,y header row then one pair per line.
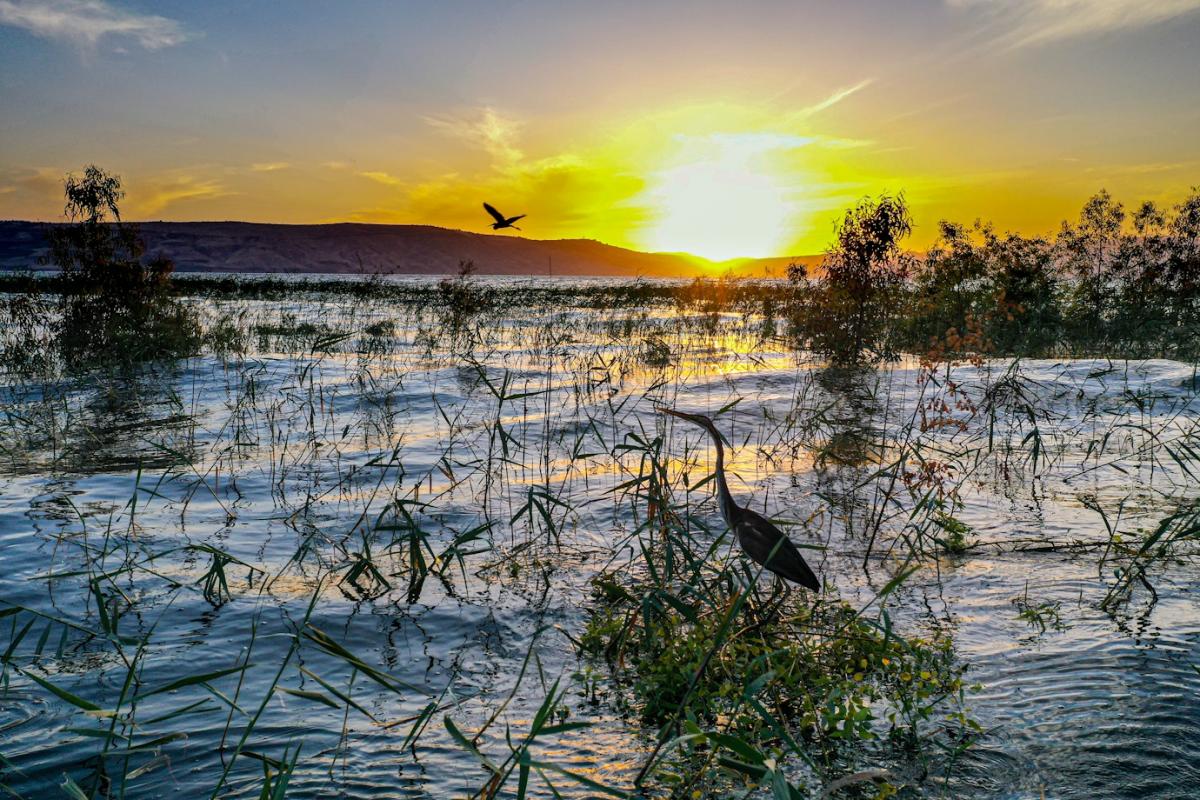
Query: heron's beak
x,y
696,419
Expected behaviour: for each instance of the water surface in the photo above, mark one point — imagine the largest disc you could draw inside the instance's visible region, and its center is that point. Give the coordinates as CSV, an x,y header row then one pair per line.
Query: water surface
x,y
315,448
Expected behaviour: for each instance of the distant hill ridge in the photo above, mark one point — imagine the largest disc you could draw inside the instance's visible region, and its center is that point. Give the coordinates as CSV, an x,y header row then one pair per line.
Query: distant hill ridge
x,y
352,247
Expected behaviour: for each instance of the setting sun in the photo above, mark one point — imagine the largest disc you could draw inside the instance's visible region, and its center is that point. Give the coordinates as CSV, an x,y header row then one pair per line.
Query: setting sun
x,y
721,198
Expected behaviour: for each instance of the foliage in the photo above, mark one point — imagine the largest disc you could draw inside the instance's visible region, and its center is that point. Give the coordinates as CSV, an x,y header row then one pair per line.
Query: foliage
x,y
1003,289
954,538
698,650
461,297
848,313
114,303
25,341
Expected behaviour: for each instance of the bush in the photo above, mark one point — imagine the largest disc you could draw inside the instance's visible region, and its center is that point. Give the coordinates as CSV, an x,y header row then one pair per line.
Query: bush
x,y
849,313
114,304
460,297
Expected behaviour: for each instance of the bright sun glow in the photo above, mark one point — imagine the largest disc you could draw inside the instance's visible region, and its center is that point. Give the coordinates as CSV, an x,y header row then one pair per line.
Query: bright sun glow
x,y
722,196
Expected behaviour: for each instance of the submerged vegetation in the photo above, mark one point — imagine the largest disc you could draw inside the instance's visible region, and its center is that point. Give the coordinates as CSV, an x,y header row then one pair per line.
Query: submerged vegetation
x,y
366,537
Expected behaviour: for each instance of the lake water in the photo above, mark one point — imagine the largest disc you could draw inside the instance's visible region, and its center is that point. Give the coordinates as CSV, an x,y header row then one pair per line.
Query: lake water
x,y
294,460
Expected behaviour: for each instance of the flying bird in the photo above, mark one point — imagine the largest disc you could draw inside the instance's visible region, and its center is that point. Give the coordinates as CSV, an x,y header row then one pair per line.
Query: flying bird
x,y
761,540
501,220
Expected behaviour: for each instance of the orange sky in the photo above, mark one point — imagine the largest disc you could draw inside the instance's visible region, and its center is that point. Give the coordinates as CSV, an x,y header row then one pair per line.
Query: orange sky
x,y
696,127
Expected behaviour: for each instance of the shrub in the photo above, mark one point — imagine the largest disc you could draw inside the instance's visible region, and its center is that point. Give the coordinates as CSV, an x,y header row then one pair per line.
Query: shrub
x,y
115,304
850,312
460,297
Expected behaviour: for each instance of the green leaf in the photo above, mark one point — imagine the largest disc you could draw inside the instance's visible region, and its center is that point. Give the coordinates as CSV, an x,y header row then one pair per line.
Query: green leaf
x,y
457,735
74,700
307,695
194,679
575,776
746,751
72,789
895,582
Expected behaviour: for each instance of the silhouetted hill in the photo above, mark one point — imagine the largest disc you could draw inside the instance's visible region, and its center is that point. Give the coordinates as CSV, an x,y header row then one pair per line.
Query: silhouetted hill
x,y
404,249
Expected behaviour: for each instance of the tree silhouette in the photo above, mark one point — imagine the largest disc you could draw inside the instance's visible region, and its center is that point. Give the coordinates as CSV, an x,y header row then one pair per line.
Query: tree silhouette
x,y
848,315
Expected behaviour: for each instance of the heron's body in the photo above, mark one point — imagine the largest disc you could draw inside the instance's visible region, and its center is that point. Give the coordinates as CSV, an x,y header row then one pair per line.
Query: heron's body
x,y
757,535
501,220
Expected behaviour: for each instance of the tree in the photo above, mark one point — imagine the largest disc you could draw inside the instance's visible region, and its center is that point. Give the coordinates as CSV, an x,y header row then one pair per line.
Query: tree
x,y
948,287
1088,250
114,305
849,315
1184,260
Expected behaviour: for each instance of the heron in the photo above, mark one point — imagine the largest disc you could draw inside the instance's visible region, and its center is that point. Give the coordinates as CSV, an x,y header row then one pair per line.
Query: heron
x,y
501,220
758,536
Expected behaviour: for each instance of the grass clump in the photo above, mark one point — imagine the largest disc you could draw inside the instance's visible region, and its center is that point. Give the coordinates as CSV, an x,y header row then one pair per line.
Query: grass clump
x,y
820,687
462,298
955,536
823,668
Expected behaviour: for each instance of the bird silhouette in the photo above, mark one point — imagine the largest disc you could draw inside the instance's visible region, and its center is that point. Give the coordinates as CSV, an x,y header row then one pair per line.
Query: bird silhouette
x,y
501,220
762,541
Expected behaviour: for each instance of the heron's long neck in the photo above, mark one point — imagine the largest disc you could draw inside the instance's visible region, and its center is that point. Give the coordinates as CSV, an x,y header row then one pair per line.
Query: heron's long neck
x,y
726,499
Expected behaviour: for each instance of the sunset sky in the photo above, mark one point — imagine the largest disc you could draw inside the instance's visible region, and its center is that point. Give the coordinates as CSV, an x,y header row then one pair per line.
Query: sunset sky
x,y
721,129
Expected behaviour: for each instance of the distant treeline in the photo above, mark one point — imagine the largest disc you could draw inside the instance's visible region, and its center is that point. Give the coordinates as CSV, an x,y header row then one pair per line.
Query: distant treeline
x,y
1112,283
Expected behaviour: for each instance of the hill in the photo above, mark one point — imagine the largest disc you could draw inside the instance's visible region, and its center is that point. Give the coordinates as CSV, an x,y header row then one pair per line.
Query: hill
x,y
357,248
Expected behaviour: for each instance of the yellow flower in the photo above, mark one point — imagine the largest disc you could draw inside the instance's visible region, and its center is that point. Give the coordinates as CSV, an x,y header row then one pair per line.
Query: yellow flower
x,y
887,661
925,675
858,676
906,677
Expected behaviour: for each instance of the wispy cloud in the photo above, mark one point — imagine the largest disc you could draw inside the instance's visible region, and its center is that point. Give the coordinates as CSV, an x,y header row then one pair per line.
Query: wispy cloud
x,y
489,130
380,177
269,166
1142,169
39,183
85,22
1030,22
837,97
156,194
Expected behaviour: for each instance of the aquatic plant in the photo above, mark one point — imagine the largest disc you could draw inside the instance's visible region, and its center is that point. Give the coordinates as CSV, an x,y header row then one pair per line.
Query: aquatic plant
x,y
114,304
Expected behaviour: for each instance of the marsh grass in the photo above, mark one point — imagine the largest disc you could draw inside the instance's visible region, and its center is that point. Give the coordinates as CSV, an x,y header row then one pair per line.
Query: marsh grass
x,y
358,453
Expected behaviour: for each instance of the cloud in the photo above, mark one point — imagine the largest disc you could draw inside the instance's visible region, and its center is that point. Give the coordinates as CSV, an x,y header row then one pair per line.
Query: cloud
x,y
40,182
155,195
563,193
564,196
837,97
1031,22
270,166
381,177
1143,169
85,22
489,130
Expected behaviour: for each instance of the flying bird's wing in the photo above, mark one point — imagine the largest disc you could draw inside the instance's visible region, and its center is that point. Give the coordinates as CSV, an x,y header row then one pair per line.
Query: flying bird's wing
x,y
511,220
496,215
